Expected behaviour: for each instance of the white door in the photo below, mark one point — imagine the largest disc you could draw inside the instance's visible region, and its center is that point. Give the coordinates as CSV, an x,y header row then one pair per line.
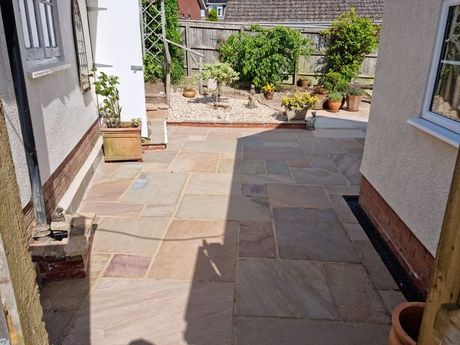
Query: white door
x,y
116,37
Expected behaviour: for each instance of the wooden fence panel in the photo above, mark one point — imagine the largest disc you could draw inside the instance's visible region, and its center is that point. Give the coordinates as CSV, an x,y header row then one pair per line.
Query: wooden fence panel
x,y
204,37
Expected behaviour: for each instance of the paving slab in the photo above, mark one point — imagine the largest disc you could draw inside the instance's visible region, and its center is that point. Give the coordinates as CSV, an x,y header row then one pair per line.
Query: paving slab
x,y
223,207
354,294
312,234
127,266
159,312
256,240
349,165
116,209
212,184
272,331
157,189
281,288
391,298
317,146
318,176
281,195
278,168
197,250
195,162
274,153
242,166
210,146
342,209
107,190
137,236
127,171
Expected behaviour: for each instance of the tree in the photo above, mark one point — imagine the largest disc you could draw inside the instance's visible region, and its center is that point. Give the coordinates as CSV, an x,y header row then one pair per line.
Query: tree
x,y
212,15
349,40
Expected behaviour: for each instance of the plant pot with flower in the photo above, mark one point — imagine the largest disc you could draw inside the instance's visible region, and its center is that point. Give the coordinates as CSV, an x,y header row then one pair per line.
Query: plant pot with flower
x,y
269,91
297,105
303,82
334,102
121,139
188,86
354,97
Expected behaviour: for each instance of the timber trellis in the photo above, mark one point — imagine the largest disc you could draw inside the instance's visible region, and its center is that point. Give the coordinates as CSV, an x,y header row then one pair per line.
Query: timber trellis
x,y
204,37
153,39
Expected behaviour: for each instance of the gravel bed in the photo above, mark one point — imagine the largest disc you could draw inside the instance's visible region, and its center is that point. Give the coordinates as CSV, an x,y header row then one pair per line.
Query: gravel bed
x,y
201,108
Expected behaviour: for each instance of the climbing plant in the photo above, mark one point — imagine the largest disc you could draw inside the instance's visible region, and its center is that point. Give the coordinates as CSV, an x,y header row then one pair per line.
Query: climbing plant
x,y
154,57
263,55
350,38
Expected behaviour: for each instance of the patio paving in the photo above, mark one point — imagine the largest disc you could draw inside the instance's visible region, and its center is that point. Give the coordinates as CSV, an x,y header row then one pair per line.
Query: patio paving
x,y
230,236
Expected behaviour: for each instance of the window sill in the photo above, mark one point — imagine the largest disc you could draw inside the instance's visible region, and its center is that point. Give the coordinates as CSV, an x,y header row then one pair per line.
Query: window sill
x,y
435,130
41,71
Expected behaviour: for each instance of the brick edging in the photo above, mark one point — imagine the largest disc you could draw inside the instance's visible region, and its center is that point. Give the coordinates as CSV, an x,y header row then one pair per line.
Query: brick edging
x,y
293,125
410,252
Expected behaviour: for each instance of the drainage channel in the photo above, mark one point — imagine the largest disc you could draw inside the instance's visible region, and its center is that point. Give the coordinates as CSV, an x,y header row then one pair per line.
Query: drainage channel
x,y
400,276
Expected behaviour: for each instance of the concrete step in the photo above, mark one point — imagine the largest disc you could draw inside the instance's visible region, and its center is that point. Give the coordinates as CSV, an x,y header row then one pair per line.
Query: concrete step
x,y
155,96
157,132
156,106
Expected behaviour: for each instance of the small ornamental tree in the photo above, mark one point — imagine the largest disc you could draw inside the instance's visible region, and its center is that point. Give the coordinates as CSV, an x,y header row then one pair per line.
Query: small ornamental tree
x,y
349,40
222,73
212,15
107,87
265,55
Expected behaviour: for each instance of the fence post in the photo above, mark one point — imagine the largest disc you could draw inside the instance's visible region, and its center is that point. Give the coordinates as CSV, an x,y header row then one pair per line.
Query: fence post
x,y
167,54
188,44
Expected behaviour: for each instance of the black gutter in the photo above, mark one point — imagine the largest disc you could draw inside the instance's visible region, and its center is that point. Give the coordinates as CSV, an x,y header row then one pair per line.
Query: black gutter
x,y
20,90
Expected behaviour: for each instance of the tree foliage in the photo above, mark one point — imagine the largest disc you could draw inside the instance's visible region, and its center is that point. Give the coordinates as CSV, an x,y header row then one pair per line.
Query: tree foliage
x,y
107,87
212,15
349,40
153,69
265,56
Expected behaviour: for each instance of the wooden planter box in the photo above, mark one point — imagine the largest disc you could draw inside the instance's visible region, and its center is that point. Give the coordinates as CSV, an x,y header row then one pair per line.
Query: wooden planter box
x,y
122,144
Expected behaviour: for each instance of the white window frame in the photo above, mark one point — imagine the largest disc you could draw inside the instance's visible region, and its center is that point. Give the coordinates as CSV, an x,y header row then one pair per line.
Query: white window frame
x,y
42,53
220,11
427,114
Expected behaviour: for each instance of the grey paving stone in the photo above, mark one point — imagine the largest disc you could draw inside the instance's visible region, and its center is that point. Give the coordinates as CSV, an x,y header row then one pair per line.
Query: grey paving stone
x,y
282,288
242,166
254,189
210,146
256,240
343,189
391,298
342,209
355,232
270,331
127,171
282,195
349,165
317,146
354,294
274,153
378,272
340,133
318,176
277,168
312,234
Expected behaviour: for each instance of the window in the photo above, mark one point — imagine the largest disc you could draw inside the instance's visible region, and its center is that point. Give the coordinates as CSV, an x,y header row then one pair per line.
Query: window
x,y
80,47
220,12
443,103
39,24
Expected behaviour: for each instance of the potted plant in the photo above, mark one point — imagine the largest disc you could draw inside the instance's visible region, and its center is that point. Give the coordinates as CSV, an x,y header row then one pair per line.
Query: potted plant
x,y
222,73
297,105
334,102
354,97
121,139
303,82
269,91
406,320
188,86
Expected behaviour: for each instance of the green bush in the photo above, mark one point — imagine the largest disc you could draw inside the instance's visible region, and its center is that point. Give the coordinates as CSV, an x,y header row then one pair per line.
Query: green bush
x,y
334,82
265,55
153,69
107,87
298,101
335,96
221,72
212,15
349,39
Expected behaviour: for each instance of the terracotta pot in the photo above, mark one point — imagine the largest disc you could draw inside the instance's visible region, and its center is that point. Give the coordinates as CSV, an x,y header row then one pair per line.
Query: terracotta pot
x,y
122,144
303,82
334,107
353,102
268,95
189,93
406,320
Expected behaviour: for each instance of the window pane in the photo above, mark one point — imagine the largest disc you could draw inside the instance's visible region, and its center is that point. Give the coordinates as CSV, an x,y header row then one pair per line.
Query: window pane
x,y
24,21
44,24
33,23
446,95
52,31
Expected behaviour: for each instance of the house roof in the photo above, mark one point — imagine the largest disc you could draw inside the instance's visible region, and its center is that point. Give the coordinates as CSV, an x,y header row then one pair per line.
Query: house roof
x,y
299,10
210,2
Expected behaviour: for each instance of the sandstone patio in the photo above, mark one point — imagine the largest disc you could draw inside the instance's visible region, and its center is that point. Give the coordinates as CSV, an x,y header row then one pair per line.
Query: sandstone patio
x,y
230,236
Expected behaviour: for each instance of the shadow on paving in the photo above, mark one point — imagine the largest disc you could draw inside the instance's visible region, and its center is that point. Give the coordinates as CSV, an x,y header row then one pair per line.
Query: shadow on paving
x,y
243,238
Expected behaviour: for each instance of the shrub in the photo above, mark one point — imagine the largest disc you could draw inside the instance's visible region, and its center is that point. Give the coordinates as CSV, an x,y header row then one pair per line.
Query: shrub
x,y
356,91
269,88
221,72
212,15
265,55
350,38
334,82
298,101
107,87
153,69
335,96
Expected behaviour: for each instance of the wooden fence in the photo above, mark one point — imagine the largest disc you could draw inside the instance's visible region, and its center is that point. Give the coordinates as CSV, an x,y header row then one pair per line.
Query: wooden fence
x,y
204,38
